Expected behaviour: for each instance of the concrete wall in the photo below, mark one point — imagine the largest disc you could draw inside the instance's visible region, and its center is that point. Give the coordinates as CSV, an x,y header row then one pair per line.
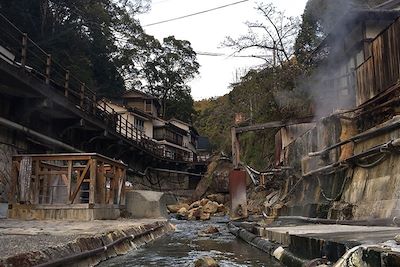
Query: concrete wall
x,y
148,204
355,193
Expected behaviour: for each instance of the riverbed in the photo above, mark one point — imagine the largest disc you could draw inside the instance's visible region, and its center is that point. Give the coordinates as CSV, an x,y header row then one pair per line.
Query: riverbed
x,y
184,246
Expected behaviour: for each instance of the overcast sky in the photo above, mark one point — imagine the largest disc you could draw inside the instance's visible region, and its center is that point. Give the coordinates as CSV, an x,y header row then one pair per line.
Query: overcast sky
x,y
207,31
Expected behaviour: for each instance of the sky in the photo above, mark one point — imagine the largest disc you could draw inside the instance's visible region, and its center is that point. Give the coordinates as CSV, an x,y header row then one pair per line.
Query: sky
x,y
207,31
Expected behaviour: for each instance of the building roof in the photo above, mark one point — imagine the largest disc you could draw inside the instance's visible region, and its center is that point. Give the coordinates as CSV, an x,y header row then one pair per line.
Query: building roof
x,y
127,95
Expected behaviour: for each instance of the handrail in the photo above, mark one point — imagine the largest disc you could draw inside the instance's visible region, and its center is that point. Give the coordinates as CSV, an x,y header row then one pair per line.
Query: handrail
x,y
31,58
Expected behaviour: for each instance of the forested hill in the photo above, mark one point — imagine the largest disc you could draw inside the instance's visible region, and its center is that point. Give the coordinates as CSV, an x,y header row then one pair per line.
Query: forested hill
x,y
276,91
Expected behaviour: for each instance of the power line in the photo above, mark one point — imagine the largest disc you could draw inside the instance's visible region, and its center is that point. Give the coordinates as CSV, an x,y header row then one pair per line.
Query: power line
x,y
194,14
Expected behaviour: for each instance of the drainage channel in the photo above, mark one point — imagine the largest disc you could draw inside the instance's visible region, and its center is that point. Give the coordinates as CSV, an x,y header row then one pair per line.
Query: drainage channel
x,y
184,246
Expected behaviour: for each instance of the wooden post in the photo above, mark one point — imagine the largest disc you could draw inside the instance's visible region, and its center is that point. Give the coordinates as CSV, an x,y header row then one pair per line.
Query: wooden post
x,y
112,186
69,179
82,95
92,185
46,179
235,149
48,67
123,179
66,84
14,179
35,199
101,185
24,49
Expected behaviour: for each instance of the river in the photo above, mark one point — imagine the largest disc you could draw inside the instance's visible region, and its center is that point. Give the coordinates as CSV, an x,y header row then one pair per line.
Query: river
x,y
184,246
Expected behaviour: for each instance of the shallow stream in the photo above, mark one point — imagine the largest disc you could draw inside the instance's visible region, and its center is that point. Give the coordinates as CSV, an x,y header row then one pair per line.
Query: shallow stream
x,y
183,247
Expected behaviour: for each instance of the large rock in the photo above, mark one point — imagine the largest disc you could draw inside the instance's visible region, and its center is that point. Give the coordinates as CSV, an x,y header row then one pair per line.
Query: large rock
x,y
204,216
194,214
195,204
148,204
209,231
211,207
205,262
176,207
220,198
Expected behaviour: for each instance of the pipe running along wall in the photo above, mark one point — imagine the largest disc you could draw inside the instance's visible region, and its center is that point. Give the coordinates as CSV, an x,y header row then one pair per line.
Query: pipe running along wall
x,y
49,140
94,252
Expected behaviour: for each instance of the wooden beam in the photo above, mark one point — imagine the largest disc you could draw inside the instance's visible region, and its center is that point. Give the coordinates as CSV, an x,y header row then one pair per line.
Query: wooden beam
x,y
101,184
69,178
273,124
92,183
14,182
79,182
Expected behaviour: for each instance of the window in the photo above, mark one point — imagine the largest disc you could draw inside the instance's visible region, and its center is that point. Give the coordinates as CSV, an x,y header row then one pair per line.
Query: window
x,y
147,107
139,124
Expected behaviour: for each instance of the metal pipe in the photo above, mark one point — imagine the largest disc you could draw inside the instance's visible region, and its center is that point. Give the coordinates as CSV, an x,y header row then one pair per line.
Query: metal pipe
x,y
367,222
93,252
359,137
40,136
383,148
174,171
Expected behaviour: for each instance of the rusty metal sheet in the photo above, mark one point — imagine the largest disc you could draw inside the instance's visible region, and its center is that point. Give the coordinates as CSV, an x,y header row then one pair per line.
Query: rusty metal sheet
x,y
237,191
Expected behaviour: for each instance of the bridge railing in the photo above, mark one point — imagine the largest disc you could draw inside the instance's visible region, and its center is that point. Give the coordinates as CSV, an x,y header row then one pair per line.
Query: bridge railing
x,y
19,50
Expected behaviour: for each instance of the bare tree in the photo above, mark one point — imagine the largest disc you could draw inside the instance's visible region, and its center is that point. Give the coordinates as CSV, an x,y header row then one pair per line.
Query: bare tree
x,y
271,39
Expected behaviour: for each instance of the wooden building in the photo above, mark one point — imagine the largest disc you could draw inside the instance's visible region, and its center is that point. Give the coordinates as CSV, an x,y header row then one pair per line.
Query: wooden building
x,y
79,186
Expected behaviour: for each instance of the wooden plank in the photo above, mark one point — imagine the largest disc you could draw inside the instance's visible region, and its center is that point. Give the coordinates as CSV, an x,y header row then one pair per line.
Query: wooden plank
x,y
235,148
35,195
120,185
273,124
123,191
112,186
69,178
79,182
45,188
101,185
92,184
14,179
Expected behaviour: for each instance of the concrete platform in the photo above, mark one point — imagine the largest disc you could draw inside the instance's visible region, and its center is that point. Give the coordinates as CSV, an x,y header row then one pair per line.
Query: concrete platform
x,y
18,236
310,241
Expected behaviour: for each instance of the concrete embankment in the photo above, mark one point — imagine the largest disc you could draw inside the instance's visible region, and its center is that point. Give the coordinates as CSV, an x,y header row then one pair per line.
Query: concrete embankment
x,y
66,243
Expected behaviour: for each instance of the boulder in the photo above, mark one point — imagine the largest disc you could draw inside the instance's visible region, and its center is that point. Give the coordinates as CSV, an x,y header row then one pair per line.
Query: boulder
x,y
220,198
175,208
204,216
204,201
221,208
205,262
209,231
194,214
182,214
195,204
211,207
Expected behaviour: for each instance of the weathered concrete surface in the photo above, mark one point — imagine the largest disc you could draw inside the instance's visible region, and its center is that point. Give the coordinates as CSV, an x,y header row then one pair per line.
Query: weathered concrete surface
x,y
332,241
28,243
148,204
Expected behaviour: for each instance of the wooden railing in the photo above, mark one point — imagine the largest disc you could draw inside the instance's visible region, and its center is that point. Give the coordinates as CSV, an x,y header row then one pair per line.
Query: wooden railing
x,y
382,69
19,50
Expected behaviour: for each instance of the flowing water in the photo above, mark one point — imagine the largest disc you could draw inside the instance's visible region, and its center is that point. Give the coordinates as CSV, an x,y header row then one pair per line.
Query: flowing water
x,y
183,247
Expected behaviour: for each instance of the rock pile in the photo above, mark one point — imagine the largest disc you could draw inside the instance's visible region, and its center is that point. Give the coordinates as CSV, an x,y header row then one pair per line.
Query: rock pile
x,y
199,210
